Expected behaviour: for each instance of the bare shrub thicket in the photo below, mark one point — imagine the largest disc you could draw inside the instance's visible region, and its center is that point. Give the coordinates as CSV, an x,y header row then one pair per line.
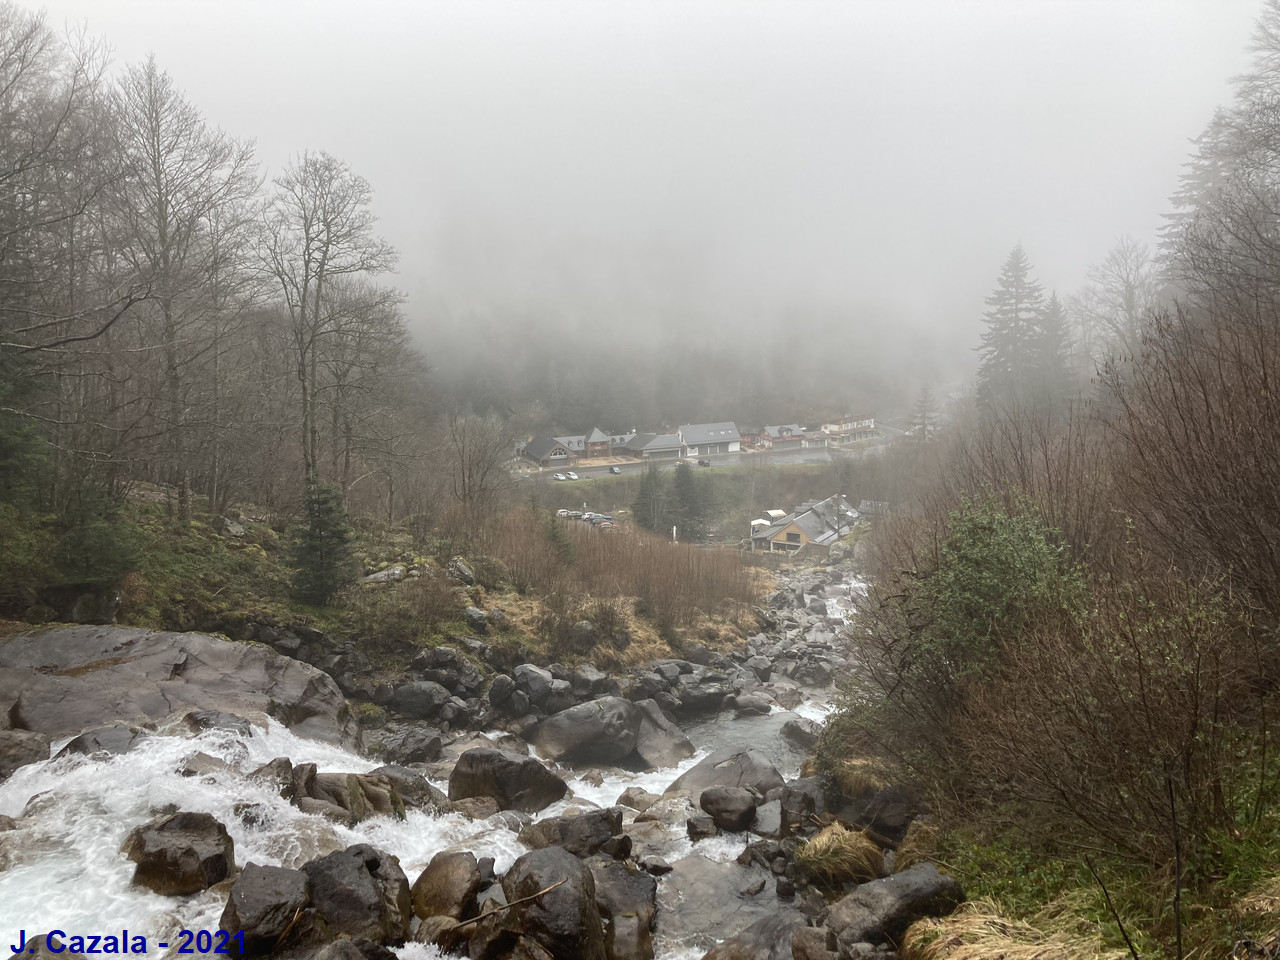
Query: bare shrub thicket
x,y
672,584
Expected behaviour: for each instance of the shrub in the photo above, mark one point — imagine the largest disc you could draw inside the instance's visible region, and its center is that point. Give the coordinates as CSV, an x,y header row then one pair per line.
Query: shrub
x,y
321,552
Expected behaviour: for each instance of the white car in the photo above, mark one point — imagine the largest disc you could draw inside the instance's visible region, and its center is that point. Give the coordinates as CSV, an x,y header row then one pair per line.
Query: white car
x,y
559,476
572,475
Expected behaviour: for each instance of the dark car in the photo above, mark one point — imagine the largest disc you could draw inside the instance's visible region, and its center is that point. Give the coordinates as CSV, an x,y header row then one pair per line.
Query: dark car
x,y
704,463
615,469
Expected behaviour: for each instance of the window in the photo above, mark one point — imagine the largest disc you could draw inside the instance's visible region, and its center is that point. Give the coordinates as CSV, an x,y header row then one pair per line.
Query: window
x,y
793,538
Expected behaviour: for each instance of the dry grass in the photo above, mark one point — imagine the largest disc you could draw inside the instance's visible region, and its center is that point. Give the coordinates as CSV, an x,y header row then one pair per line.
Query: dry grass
x,y
917,846
977,931
837,855
859,777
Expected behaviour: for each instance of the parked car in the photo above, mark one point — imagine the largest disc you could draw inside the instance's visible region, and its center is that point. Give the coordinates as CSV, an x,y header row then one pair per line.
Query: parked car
x,y
615,469
575,514
562,512
558,476
704,463
572,475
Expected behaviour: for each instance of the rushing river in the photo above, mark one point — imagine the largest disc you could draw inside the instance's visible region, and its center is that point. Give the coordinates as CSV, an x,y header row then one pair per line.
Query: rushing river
x,y
62,867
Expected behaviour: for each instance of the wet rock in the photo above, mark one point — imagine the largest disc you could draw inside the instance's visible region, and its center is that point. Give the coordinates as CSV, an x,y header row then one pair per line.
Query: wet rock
x,y
534,682
659,742
598,731
116,738
767,939
730,767
562,923
768,819
582,835
748,705
265,902
732,808
701,900
416,744
203,765
500,689
701,828
637,798
198,721
448,887
475,808
802,733
656,866
419,700
361,892
279,773
415,790
20,747
180,854
627,898
883,909
514,781
71,679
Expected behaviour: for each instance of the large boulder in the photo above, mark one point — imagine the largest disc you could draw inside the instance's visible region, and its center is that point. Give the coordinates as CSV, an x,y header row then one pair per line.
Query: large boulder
x,y
582,835
20,747
516,782
598,731
560,920
659,742
534,682
267,903
767,939
114,738
448,886
732,808
180,854
883,909
346,797
360,893
627,898
701,901
419,700
68,679
730,767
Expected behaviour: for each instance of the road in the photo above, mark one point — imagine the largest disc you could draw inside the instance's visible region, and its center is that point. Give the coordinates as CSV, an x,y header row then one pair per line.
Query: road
x,y
811,455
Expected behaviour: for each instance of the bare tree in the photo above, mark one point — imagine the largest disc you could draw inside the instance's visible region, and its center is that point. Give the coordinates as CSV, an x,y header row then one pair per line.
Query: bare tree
x,y
479,449
1112,311
317,228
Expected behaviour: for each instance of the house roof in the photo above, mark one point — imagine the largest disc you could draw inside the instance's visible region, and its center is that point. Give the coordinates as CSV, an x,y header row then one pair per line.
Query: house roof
x,y
776,432
696,433
639,441
821,520
664,441
597,436
574,443
539,447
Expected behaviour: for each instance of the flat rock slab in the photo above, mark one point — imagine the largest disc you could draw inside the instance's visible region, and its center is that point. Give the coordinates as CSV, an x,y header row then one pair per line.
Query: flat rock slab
x,y
67,679
702,901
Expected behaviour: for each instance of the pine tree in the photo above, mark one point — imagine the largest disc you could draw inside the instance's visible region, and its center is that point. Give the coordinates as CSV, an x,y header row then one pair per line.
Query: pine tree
x,y
924,416
689,514
650,506
1007,369
1051,358
322,551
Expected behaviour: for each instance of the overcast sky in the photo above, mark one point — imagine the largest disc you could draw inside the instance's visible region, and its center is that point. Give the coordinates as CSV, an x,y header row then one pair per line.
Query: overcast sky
x,y
870,158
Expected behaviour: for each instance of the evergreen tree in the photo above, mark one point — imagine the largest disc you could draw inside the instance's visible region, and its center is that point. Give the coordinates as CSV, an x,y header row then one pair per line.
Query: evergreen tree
x,y
1009,344
1051,358
689,513
322,551
650,506
924,417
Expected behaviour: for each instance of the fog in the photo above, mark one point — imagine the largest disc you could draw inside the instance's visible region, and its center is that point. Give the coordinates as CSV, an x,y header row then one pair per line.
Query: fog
x,y
668,172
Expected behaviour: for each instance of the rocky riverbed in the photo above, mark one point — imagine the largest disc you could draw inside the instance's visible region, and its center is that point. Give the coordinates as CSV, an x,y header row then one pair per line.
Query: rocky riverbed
x,y
168,781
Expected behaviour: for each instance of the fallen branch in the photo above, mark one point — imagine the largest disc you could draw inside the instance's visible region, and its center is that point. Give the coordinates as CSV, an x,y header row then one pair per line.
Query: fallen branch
x,y
508,906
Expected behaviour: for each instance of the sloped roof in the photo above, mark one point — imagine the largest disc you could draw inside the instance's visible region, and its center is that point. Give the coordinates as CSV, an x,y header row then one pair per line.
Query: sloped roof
x,y
539,447
697,433
574,443
821,520
639,441
597,436
776,433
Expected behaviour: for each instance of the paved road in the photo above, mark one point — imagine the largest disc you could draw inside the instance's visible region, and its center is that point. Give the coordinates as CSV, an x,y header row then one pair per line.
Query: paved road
x,y
812,455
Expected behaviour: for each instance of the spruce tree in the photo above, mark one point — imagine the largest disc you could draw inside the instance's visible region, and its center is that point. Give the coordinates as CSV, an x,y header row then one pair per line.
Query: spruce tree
x,y
1051,358
650,506
690,511
1009,344
322,549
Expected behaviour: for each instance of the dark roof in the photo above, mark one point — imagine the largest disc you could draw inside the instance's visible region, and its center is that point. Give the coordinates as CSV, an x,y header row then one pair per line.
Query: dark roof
x,y
574,443
597,436
640,441
776,432
539,447
821,520
698,433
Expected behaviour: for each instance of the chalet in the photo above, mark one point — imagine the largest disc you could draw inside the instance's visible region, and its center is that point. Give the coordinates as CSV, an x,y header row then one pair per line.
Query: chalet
x,y
817,521
851,430
815,440
704,439
547,452
653,446
599,444
786,436
575,445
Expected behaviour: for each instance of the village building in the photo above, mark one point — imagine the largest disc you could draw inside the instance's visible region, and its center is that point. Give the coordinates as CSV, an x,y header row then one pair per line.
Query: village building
x,y
820,522
705,439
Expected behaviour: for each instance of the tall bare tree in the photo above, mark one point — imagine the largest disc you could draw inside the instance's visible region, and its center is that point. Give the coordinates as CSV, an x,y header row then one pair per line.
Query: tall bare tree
x,y
317,229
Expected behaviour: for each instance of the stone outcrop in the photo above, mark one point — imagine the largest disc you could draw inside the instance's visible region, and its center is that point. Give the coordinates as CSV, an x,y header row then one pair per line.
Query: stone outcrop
x,y
514,781
65,680
883,909
180,854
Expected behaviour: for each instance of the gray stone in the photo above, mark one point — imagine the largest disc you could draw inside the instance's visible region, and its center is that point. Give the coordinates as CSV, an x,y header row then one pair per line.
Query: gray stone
x,y
361,892
514,781
448,887
598,731
419,700
265,903
883,909
732,808
582,835
627,898
180,854
534,682
477,619
802,733
659,742
393,574
729,767
767,939
20,747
